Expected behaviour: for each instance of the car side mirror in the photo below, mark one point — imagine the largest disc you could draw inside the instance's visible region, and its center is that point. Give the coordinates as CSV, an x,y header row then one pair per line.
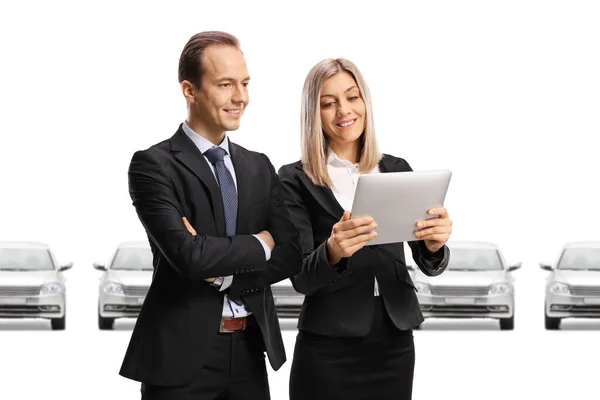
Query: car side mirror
x,y
515,266
99,266
546,266
66,266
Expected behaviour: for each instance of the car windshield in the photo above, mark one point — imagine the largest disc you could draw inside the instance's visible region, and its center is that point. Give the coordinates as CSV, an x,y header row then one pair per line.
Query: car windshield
x,y
14,259
584,259
132,259
474,260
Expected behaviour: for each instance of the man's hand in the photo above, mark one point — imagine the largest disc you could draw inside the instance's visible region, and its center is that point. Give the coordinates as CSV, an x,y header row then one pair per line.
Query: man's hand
x,y
267,238
435,231
191,230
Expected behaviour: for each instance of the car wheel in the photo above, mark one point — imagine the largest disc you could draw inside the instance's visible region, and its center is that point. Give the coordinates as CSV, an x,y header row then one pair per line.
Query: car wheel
x,y
105,323
552,323
507,324
58,324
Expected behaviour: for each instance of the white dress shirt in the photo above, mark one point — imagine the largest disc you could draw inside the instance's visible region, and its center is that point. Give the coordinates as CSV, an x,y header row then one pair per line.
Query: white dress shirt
x,y
230,309
344,176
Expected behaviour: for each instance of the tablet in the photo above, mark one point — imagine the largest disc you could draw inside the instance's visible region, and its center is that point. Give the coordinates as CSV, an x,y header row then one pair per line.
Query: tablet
x,y
398,200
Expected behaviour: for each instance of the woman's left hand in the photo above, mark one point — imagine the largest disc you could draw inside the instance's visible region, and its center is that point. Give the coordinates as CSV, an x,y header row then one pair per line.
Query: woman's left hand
x,y
435,231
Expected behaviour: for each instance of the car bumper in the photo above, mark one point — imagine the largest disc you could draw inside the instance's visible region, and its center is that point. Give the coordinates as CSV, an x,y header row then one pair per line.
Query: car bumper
x,y
43,306
498,306
568,306
119,306
288,306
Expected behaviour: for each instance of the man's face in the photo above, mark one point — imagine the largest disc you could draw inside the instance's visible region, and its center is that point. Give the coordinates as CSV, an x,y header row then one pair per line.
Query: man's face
x,y
223,94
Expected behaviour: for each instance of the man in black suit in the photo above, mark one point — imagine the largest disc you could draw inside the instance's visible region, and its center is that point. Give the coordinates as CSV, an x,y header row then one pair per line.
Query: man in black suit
x,y
220,236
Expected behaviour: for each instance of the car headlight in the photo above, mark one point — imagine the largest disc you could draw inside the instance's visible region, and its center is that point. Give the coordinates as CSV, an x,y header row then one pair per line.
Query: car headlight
x,y
499,288
114,288
50,288
423,288
560,288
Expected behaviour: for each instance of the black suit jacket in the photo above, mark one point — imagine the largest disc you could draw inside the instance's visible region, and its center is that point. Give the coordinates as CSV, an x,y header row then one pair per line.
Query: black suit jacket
x,y
181,314
339,299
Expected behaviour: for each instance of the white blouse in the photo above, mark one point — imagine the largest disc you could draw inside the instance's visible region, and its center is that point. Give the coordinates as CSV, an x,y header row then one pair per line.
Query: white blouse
x,y
344,176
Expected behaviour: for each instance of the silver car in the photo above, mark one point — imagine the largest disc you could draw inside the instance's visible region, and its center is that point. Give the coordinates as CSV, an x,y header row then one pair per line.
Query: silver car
x,y
573,287
476,284
124,283
31,283
288,302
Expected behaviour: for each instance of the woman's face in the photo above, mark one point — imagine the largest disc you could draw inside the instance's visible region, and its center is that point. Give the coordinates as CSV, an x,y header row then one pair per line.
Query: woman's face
x,y
343,112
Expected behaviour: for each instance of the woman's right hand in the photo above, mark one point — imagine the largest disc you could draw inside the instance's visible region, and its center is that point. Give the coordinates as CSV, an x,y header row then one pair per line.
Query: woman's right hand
x,y
348,236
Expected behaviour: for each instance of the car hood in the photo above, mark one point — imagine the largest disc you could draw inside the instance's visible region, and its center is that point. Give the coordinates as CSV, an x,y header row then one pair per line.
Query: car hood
x,y
130,278
578,278
462,278
27,278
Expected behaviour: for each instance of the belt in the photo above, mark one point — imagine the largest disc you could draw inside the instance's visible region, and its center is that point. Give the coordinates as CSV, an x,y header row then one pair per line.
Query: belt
x,y
233,324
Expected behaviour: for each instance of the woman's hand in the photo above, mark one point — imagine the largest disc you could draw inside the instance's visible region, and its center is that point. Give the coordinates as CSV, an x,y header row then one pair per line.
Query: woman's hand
x,y
348,236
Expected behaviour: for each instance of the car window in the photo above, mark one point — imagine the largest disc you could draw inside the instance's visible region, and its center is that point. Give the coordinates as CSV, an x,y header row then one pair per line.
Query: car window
x,y
132,259
580,259
25,260
474,260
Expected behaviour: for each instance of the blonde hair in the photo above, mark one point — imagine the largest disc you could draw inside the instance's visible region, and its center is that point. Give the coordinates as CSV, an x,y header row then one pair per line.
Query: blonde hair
x,y
315,148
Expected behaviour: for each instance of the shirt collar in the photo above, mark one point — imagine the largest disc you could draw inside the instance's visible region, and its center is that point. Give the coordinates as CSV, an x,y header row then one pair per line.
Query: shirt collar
x,y
204,144
333,159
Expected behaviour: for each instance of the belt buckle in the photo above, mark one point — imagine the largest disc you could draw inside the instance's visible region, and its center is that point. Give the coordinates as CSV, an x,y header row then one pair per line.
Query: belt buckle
x,y
222,326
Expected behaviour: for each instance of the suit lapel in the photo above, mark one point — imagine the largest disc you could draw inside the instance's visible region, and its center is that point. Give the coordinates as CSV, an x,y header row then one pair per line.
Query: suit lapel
x,y
243,177
322,194
188,154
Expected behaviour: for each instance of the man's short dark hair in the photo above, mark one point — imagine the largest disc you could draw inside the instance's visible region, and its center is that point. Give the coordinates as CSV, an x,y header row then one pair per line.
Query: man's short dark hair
x,y
191,67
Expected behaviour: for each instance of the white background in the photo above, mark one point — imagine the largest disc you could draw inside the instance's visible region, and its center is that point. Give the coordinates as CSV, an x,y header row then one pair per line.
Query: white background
x,y
505,94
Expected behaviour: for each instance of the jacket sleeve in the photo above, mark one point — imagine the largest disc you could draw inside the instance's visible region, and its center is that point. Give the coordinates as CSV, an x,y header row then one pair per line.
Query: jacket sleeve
x,y
193,257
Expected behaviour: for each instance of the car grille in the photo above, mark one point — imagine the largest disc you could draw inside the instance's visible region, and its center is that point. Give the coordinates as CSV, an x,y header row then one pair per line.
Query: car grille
x,y
285,291
288,311
19,290
134,310
8,310
135,290
585,290
459,290
460,309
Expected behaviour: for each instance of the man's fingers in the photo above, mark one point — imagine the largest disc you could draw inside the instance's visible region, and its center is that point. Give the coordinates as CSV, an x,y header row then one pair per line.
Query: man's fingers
x,y
188,226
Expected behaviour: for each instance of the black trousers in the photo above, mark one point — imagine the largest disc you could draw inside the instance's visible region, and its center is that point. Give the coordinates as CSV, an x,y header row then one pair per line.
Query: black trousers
x,y
235,370
379,366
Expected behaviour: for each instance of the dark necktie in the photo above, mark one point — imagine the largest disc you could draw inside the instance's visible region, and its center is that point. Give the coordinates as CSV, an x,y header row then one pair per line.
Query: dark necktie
x,y
228,193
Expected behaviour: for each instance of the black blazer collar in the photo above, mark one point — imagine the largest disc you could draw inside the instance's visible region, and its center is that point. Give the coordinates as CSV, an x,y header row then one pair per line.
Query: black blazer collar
x,y
189,155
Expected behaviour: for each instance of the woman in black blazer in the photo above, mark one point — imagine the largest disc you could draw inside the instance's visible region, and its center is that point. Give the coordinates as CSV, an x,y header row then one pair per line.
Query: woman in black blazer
x,y
355,336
